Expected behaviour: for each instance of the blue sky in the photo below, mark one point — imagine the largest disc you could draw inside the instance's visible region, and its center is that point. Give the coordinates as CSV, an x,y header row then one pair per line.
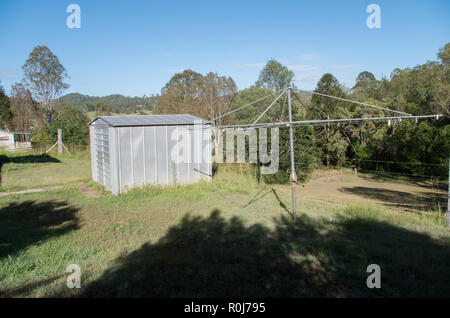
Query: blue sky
x,y
134,47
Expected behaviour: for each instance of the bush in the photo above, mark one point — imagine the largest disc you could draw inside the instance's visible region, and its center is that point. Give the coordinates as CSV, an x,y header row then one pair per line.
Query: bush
x,y
72,132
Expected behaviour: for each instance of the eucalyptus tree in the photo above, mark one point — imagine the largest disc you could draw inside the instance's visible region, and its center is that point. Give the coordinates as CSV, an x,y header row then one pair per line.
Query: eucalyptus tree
x,y
206,96
45,76
330,141
275,76
5,109
179,95
26,115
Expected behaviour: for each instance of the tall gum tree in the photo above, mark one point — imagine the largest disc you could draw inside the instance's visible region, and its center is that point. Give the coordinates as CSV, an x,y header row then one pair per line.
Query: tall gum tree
x,y
45,76
275,76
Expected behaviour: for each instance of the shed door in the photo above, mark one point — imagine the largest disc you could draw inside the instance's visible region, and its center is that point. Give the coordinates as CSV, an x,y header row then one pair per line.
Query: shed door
x,y
103,156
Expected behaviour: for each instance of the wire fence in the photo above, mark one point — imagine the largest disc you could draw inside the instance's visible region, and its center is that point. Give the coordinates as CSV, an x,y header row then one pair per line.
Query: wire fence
x,y
432,171
403,162
436,200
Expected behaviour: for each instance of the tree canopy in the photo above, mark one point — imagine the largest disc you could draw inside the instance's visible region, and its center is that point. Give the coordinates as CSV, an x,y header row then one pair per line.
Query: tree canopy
x,y
26,115
45,76
275,76
5,110
206,96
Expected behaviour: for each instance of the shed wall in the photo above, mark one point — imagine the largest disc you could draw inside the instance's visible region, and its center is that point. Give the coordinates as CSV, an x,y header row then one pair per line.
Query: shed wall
x,y
102,156
7,140
149,155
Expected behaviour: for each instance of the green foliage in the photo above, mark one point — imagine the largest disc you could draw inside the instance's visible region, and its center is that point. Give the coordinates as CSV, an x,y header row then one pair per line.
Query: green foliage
x,y
27,116
187,78
423,89
304,155
147,236
329,85
278,112
415,143
41,138
303,136
444,54
101,109
45,76
74,125
5,109
116,103
331,144
275,76
66,112
73,133
189,92
366,86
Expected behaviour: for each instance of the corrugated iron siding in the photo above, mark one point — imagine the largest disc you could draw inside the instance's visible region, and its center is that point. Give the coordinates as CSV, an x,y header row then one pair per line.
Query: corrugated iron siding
x,y
102,156
127,157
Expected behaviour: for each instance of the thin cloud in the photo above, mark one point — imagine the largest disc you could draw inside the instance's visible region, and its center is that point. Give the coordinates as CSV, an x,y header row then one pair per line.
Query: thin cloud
x,y
9,71
303,68
307,56
176,70
10,74
344,67
252,65
308,78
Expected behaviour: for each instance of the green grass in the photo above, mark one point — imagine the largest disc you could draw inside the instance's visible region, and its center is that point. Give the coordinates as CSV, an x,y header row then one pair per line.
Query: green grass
x,y
24,171
229,237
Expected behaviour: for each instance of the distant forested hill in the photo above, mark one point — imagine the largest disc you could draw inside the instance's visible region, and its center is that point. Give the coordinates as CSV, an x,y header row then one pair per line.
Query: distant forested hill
x,y
117,103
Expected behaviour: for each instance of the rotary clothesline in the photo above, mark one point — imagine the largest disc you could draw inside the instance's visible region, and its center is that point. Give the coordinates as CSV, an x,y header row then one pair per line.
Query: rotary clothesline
x,y
284,90
292,123
322,121
355,102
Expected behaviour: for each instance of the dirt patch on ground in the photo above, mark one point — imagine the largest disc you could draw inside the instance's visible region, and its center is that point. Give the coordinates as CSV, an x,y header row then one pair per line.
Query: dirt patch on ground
x,y
338,187
30,190
87,192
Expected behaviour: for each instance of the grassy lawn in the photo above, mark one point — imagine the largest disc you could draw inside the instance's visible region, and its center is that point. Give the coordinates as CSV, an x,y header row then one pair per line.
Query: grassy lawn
x,y
230,237
24,171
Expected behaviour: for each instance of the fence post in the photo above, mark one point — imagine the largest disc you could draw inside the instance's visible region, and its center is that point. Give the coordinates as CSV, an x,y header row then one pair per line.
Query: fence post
x,y
60,148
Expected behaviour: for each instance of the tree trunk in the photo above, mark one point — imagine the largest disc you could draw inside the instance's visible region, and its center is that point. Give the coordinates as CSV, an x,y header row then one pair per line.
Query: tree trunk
x,y
49,117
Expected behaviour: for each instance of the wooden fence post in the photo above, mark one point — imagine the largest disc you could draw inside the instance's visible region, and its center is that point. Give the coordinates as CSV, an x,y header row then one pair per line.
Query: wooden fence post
x,y
60,147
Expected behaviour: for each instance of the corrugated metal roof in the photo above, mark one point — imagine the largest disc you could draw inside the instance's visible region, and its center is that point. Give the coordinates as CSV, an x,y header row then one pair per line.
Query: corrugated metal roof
x,y
151,120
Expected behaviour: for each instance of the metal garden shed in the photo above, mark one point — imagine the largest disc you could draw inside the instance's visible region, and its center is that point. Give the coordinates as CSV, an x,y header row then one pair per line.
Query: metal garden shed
x,y
132,151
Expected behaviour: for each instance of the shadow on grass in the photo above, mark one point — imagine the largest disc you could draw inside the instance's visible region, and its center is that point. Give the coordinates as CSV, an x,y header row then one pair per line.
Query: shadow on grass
x,y
400,199
282,205
258,196
261,194
44,158
28,159
29,287
30,222
215,257
428,183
